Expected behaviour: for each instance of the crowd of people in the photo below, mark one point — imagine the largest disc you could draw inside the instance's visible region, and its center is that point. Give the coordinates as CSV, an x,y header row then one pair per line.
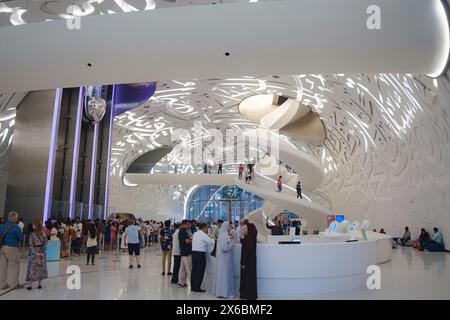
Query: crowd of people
x,y
191,243
188,243
74,234
209,168
250,175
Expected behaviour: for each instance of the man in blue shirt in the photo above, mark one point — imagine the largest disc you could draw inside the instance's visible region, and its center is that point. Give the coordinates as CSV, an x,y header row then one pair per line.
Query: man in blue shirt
x,y
166,247
132,241
437,236
9,253
193,227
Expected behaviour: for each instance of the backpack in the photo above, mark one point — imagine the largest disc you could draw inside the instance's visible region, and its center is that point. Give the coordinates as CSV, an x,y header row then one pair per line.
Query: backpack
x,y
4,233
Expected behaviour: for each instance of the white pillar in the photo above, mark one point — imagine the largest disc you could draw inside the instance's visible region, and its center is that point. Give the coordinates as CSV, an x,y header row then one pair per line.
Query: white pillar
x,y
52,155
76,151
93,171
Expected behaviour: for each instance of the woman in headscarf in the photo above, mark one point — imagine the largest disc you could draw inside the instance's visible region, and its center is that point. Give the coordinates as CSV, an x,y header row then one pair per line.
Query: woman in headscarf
x,y
224,275
248,288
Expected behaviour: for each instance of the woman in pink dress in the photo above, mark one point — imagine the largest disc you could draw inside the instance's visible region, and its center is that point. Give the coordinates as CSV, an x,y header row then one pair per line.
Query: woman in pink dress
x,y
113,235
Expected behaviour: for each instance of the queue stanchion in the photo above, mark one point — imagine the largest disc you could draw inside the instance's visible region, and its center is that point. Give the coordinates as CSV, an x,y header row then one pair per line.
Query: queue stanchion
x,y
23,254
70,248
117,258
102,248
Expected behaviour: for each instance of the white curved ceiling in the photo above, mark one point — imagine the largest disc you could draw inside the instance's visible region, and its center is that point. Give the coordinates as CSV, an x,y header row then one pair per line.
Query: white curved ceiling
x,y
18,12
387,145
271,37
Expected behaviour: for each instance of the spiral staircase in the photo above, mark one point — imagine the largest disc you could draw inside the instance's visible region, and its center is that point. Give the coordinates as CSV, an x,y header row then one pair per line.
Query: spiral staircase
x,y
289,162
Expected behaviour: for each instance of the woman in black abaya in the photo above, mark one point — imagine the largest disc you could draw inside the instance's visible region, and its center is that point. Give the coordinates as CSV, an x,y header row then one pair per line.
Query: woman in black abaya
x,y
248,288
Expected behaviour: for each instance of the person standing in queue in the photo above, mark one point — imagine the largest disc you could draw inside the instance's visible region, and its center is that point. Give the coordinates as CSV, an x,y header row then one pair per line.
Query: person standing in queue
x,y
9,252
132,241
248,287
166,248
215,234
78,228
193,228
176,254
224,275
185,240
202,245
37,263
91,243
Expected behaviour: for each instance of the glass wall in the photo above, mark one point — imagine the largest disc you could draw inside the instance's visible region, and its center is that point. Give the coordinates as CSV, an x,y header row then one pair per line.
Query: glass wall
x,y
61,210
209,203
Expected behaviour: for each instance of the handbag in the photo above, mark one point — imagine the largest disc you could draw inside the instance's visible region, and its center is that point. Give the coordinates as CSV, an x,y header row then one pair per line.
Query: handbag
x,y
4,233
213,252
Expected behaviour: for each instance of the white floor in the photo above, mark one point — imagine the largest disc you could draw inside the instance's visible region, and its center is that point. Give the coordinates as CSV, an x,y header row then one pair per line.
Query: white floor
x,y
410,275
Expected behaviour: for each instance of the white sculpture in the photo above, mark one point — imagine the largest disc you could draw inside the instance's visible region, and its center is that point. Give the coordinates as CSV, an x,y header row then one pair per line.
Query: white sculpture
x,y
364,225
343,227
355,226
332,227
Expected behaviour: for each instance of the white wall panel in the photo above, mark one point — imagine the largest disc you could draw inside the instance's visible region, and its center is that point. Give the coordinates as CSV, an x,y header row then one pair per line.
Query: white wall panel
x,y
386,157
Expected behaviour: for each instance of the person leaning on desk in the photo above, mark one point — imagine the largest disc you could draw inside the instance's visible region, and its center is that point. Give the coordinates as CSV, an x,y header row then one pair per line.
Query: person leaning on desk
x,y
277,230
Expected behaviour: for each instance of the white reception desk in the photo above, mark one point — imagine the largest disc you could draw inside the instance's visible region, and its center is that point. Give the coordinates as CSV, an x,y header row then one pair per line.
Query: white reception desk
x,y
316,266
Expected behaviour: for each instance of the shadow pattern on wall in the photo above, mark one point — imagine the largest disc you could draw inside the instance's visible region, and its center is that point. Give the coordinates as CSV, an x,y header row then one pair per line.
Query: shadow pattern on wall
x,y
386,156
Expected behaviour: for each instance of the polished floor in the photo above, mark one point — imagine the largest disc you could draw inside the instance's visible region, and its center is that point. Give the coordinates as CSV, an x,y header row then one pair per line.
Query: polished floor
x,y
409,275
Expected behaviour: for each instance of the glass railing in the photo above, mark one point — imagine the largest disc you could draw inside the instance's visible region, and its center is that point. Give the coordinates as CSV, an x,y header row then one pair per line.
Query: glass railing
x,y
318,197
315,196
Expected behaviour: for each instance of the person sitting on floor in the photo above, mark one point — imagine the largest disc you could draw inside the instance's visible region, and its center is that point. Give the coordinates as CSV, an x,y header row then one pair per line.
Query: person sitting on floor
x,y
436,243
424,238
406,237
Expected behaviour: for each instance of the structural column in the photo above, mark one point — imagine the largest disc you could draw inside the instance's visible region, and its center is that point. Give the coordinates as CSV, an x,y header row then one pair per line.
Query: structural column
x,y
108,157
76,151
52,155
93,167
